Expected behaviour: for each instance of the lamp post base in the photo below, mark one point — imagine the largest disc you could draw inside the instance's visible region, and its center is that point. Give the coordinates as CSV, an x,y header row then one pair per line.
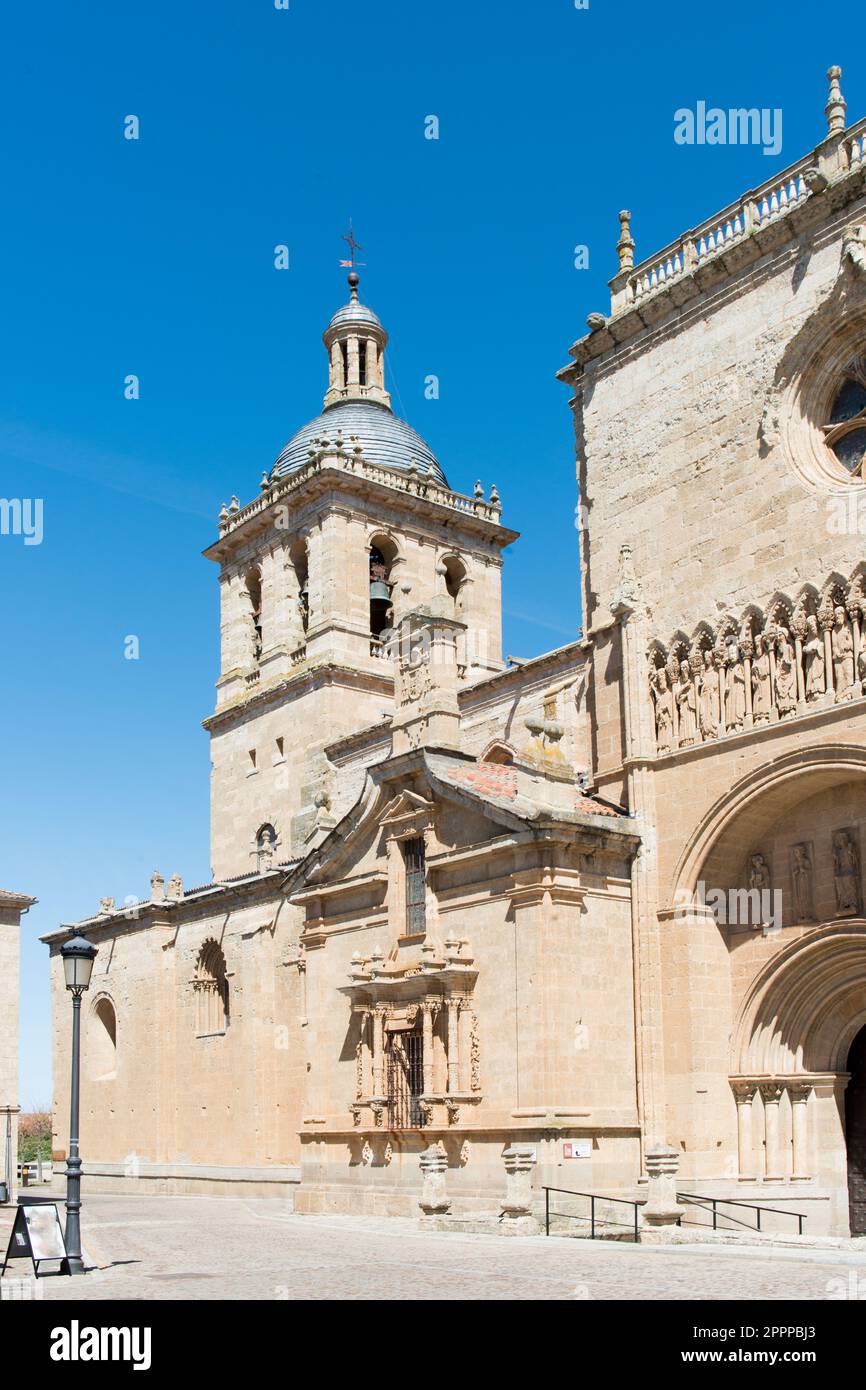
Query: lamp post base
x,y
73,1264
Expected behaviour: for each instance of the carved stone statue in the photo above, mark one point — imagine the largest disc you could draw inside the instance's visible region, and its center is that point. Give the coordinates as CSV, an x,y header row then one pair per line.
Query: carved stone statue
x,y
735,688
846,874
708,694
786,675
664,708
801,878
106,906
762,694
687,706
813,656
843,655
759,873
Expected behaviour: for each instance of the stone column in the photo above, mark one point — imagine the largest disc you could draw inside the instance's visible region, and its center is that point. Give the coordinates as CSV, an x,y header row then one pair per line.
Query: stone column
x,y
799,1092
771,1094
661,1207
372,362
744,1092
453,1045
337,382
434,1167
378,1051
352,355
520,1160
427,1009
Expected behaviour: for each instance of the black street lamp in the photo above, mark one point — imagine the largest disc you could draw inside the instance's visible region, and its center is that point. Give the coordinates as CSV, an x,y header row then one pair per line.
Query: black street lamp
x,y
78,956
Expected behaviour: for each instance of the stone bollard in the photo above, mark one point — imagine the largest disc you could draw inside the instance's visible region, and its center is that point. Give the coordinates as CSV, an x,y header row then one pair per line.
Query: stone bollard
x,y
517,1215
434,1197
662,1208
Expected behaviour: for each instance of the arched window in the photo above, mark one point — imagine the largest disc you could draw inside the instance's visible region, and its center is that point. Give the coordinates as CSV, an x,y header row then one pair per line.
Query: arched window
x,y
211,989
845,432
266,848
453,573
299,559
254,594
102,1043
383,553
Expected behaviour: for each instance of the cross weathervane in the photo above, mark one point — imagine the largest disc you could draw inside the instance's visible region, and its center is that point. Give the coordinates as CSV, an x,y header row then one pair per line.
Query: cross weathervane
x,y
353,247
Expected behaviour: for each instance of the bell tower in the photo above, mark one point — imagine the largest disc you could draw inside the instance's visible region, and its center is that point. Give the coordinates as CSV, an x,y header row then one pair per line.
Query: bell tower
x,y
355,526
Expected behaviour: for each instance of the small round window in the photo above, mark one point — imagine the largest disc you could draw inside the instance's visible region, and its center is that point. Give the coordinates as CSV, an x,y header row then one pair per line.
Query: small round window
x,y
845,432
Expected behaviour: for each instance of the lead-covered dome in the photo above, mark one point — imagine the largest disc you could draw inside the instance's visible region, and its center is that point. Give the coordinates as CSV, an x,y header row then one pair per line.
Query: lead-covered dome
x,y
384,438
356,402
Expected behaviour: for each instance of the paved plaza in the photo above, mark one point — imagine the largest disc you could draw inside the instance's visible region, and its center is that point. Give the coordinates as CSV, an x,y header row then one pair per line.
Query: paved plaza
x,y
230,1248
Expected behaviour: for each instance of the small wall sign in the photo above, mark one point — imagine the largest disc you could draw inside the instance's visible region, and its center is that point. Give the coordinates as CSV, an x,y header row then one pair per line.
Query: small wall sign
x,y
577,1148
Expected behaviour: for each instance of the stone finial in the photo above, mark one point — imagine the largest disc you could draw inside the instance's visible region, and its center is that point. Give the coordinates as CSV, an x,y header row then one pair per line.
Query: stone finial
x,y
234,505
836,103
265,483
661,1207
625,245
174,892
519,1160
224,512
106,906
495,500
434,1168
157,887
478,491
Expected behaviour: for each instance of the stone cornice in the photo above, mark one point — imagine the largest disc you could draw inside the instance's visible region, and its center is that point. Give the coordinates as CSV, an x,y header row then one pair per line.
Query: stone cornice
x,y
357,477
307,679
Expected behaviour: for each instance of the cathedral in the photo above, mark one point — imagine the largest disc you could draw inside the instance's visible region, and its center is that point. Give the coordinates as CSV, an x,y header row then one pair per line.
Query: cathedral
x,y
477,925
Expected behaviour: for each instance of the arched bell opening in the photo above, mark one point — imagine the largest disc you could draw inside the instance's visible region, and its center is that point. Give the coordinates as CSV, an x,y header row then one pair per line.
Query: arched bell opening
x,y
383,553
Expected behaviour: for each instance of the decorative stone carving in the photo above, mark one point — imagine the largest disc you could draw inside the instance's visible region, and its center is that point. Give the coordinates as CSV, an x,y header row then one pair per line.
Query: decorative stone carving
x,y
378,1109
425,1110
854,249
762,694
388,1154
735,687
786,675
464,1153
813,657
106,906
801,883
367,1154
846,873
664,709
174,892
843,656
686,699
453,1110
759,874
157,887
708,694
474,1054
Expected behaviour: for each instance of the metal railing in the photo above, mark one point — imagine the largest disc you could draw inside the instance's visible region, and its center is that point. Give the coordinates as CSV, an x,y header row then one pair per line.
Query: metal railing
x,y
594,1221
713,1203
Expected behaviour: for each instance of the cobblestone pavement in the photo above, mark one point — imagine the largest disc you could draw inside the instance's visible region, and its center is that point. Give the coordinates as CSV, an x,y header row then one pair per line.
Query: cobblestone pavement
x,y
232,1248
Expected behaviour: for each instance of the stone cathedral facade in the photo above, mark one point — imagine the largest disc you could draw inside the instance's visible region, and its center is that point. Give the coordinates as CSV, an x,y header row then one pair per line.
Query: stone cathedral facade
x,y
560,912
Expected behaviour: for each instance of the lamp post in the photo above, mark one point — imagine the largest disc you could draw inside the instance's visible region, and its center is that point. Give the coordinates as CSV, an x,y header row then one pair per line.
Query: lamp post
x,y
78,956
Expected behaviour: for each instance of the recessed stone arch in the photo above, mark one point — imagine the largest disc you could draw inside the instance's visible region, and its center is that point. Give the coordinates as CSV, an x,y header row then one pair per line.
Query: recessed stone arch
x,y
806,1006
743,814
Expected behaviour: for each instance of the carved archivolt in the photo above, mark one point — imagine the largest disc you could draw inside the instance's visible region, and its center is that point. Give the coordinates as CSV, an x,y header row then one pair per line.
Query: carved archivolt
x,y
774,663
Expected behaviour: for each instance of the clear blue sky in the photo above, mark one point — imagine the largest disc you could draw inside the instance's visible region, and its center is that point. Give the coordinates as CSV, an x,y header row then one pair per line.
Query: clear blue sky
x,y
261,126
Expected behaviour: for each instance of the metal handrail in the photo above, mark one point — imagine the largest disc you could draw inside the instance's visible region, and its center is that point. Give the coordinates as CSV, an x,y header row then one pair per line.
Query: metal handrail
x,y
593,1198
695,1200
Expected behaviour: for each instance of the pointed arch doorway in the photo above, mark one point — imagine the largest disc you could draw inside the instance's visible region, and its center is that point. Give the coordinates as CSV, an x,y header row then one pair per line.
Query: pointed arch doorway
x,y
855,1133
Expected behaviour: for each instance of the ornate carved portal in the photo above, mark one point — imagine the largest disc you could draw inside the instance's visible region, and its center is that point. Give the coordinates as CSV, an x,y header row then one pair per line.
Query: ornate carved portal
x,y
417,1053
